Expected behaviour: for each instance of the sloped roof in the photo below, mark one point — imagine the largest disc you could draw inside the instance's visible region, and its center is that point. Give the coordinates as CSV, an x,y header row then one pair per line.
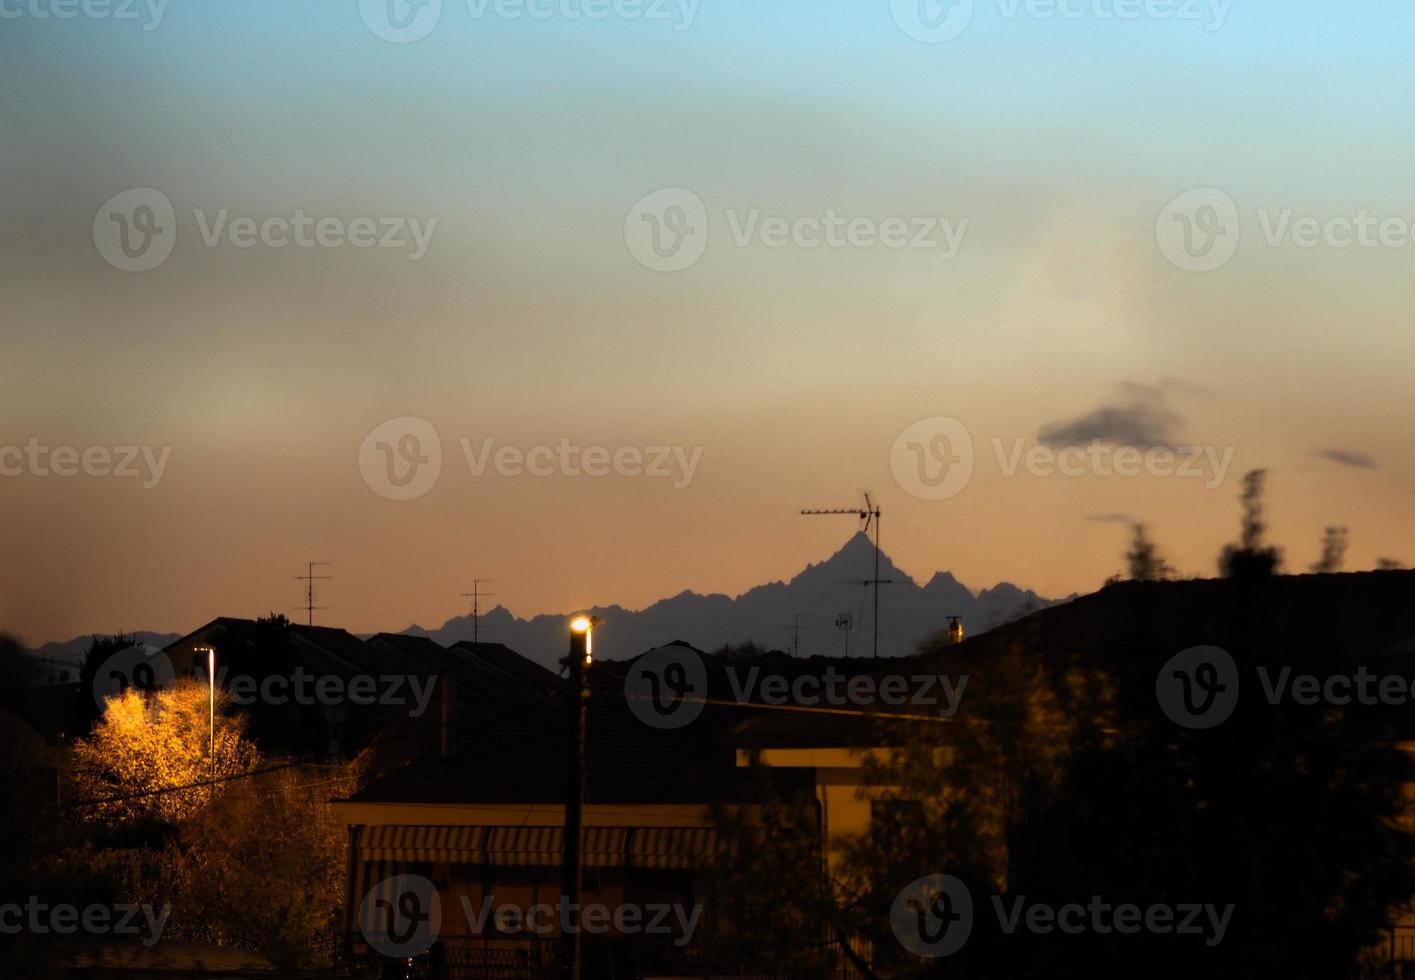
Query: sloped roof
x,y
500,660
418,648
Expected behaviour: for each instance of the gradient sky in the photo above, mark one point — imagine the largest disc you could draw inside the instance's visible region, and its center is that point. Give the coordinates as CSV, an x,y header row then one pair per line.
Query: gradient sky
x,y
529,321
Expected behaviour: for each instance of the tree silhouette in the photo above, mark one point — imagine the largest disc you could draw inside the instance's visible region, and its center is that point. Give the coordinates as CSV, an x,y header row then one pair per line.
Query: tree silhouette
x,y
17,671
100,648
1251,557
1334,543
1146,562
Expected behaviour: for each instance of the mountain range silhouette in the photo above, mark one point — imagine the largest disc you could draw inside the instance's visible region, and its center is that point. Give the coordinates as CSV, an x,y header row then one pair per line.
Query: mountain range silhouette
x,y
909,613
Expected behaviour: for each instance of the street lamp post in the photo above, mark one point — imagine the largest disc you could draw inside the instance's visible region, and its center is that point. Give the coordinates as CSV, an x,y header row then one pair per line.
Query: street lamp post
x,y
211,702
581,656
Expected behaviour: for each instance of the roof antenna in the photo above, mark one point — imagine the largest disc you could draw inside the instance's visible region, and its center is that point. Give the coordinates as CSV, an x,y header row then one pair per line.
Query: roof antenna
x,y
310,578
869,512
796,628
476,595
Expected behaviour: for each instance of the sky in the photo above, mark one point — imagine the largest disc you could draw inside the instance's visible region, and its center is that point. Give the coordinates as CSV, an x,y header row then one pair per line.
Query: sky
x,y
1146,224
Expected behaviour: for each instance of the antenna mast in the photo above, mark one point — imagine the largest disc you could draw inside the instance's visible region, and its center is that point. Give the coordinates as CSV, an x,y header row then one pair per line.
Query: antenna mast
x,y
868,513
476,595
796,629
310,578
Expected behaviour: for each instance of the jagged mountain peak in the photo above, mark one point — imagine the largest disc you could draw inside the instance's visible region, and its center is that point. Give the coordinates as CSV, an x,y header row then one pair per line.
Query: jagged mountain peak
x,y
825,598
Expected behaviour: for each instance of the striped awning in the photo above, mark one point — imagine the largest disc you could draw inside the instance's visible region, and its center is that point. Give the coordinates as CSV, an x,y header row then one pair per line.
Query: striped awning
x,y
524,845
396,842
674,847
604,847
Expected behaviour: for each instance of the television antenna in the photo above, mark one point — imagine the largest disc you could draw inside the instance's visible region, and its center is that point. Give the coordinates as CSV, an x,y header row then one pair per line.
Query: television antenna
x,y
796,628
310,578
476,595
869,513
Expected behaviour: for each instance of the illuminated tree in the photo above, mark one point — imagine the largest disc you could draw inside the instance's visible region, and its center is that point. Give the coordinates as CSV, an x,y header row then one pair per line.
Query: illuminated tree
x,y
148,752
265,867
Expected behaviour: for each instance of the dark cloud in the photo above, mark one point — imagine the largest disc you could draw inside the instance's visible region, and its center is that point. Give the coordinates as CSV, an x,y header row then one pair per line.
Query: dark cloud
x,y
1348,457
1109,518
1143,423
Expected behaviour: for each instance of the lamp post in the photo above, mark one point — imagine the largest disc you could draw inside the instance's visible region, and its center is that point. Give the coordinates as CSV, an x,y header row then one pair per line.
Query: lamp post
x,y
211,701
581,656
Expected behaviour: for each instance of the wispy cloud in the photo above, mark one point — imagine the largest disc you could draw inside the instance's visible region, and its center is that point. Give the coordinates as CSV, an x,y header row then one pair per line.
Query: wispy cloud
x,y
1348,457
1110,518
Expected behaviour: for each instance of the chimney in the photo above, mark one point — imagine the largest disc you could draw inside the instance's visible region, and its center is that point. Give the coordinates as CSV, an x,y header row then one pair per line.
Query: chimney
x,y
448,728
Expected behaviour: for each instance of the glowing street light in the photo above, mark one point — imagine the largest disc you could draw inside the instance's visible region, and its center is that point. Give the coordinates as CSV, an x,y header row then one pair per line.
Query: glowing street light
x,y
572,872
584,625
211,684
